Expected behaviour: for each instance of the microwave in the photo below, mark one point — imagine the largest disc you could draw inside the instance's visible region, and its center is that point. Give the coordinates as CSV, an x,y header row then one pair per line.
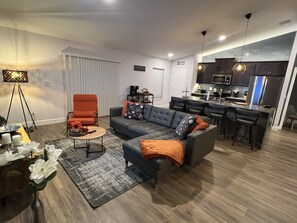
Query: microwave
x,y
221,79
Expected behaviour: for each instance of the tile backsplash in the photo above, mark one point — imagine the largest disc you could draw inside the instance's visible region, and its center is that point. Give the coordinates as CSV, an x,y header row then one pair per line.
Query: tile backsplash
x,y
224,87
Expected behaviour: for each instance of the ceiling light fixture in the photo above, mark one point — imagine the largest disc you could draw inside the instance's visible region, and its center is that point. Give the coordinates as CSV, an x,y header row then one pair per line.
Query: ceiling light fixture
x,y
221,38
201,66
241,67
170,54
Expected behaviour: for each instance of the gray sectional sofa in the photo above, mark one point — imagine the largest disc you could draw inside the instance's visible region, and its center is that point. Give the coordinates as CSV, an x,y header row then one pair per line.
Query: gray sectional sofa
x,y
160,123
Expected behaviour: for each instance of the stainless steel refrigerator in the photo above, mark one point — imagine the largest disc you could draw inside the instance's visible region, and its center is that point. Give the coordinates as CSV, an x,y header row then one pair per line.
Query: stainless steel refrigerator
x,y
264,90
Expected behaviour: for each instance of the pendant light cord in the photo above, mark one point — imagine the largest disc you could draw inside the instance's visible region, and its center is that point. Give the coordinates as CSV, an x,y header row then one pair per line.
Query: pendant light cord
x,y
248,16
203,33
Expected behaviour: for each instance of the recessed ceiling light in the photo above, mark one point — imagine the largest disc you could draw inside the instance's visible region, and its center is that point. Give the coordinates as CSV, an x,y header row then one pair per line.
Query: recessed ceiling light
x,y
170,54
221,38
109,1
247,54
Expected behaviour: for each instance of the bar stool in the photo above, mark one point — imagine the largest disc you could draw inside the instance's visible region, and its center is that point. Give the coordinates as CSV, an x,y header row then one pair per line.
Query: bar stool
x,y
217,114
247,118
195,107
177,104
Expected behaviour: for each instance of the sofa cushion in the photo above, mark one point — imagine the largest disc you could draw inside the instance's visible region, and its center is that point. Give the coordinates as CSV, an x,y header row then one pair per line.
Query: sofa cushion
x,y
146,111
134,111
84,114
145,128
121,124
161,116
178,117
185,126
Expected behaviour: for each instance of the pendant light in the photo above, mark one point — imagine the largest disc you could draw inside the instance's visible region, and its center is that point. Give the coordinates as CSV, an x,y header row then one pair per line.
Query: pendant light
x,y
239,66
201,67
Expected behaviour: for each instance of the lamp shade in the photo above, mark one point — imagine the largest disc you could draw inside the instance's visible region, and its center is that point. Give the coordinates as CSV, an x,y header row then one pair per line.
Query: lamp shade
x,y
15,76
239,67
201,67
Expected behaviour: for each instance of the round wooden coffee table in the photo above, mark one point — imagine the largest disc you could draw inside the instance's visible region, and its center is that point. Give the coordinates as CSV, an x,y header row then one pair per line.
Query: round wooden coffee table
x,y
99,133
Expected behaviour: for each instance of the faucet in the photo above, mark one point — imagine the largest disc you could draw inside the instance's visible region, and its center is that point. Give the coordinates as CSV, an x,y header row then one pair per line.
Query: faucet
x,y
221,91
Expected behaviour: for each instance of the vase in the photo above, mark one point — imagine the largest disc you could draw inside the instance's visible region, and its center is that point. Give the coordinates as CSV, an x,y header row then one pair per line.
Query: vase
x,y
36,202
37,209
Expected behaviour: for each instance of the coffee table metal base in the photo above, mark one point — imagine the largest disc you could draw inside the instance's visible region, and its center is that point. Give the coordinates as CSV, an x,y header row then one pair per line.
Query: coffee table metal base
x,y
88,146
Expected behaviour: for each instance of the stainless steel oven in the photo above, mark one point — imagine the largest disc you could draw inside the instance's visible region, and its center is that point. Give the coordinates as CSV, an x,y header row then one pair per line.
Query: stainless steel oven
x,y
221,79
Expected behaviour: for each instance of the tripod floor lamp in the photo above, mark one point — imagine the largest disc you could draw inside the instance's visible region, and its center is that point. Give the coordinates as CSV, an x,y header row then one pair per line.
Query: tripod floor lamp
x,y
18,77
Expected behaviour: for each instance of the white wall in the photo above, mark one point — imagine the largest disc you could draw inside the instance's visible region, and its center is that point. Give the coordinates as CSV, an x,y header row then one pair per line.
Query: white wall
x,y
39,55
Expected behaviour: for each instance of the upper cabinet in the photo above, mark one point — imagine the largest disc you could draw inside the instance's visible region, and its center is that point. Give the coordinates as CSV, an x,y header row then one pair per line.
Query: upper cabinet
x,y
243,79
275,68
206,76
224,65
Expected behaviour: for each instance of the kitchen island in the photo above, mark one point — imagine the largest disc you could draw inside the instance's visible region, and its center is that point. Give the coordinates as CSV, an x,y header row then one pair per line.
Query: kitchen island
x,y
260,131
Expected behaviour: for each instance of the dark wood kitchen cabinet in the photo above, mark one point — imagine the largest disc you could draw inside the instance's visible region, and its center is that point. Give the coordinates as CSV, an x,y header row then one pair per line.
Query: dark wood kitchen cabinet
x,y
243,79
272,68
206,76
224,65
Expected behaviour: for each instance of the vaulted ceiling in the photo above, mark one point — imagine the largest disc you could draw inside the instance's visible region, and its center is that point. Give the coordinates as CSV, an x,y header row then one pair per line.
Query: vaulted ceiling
x,y
152,27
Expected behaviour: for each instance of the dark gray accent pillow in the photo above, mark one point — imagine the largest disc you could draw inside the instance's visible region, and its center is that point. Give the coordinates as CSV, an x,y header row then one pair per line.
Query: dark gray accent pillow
x,y
185,126
134,111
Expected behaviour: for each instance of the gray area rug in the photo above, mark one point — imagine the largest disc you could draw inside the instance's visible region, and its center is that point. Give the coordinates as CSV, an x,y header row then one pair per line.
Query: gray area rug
x,y
102,176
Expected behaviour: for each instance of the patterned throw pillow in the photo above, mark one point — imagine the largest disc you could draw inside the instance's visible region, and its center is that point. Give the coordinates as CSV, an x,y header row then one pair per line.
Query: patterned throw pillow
x,y
134,111
185,126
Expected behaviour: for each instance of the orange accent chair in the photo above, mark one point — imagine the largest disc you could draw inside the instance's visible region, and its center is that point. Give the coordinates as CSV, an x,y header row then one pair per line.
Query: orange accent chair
x,y
85,110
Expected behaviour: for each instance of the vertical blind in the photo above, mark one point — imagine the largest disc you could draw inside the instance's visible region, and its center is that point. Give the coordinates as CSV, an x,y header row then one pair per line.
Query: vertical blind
x,y
91,76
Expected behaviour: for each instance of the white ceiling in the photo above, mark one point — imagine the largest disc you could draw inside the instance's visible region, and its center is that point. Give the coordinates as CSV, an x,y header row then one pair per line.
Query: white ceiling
x,y
152,27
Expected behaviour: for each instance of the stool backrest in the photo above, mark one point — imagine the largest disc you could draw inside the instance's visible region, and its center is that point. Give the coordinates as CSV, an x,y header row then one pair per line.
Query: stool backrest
x,y
218,109
195,105
248,115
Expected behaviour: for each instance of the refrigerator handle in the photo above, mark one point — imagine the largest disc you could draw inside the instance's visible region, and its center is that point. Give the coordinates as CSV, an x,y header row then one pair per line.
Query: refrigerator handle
x,y
263,91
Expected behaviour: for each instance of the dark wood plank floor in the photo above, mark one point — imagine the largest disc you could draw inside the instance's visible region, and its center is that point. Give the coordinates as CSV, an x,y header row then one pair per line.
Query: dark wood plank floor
x,y
232,184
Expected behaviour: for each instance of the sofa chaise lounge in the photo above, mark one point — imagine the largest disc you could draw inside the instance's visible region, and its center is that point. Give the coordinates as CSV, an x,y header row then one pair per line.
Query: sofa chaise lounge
x,y
160,123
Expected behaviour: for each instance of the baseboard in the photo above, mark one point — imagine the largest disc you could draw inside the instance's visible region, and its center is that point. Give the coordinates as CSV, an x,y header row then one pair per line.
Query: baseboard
x,y
47,121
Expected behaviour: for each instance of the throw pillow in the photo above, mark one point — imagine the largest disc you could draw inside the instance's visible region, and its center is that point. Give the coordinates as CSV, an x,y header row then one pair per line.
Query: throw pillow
x,y
83,114
134,111
126,103
200,124
185,126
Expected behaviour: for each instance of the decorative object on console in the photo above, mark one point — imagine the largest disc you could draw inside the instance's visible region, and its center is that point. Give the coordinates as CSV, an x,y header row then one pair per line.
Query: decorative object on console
x,y
201,66
134,89
18,77
239,66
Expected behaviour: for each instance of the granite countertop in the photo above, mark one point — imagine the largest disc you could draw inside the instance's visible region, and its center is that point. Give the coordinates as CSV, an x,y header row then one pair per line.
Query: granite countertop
x,y
236,105
236,98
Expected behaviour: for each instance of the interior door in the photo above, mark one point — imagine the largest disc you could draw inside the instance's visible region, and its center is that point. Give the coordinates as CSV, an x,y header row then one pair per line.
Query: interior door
x,y
179,82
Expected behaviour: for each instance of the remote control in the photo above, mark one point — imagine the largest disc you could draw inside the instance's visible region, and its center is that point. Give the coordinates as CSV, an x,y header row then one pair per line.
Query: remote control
x,y
91,131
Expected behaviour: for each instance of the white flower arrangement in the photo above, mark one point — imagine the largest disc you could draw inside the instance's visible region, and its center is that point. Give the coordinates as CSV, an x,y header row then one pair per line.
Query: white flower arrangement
x,y
43,167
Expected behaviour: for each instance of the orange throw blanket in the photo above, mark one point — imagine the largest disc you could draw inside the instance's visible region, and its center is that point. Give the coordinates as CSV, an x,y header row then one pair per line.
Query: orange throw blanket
x,y
170,149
